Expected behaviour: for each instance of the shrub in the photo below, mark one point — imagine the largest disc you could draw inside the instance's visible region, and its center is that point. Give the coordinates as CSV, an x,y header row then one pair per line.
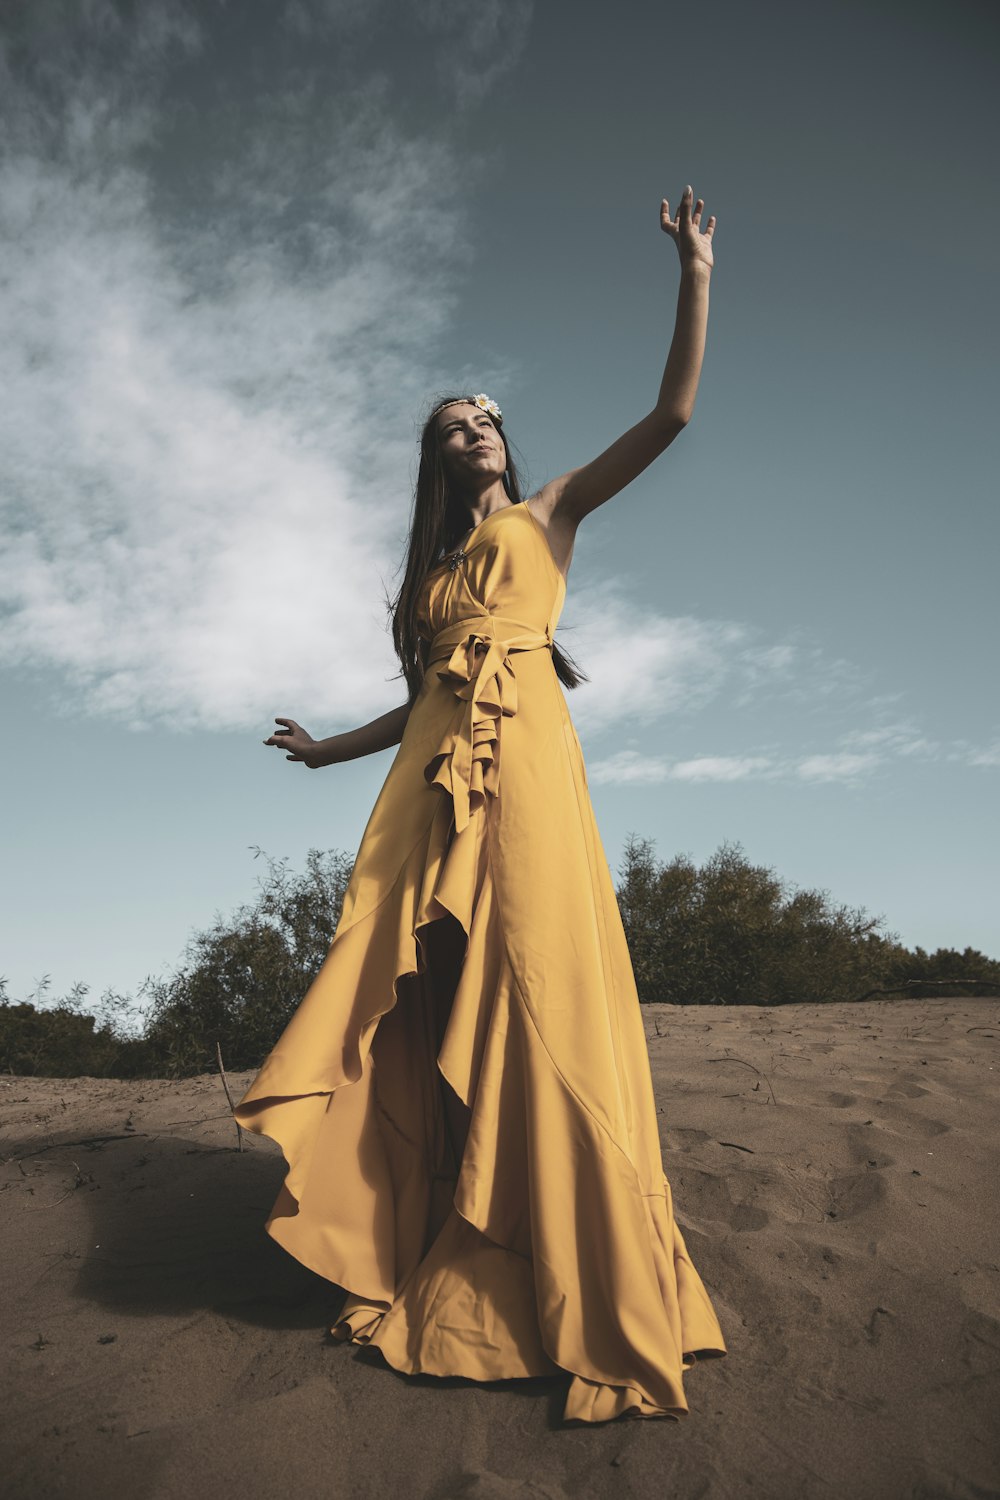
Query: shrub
x,y
728,933
59,1040
944,972
734,933
243,977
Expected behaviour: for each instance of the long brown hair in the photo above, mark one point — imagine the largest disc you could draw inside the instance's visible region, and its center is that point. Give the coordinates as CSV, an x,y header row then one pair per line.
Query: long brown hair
x,y
438,522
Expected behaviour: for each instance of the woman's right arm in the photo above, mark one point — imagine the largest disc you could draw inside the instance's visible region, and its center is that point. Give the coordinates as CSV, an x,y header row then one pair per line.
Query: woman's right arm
x,y
378,735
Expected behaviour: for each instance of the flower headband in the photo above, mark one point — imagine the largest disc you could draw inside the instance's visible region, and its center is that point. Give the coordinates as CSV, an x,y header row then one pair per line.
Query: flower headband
x,y
485,403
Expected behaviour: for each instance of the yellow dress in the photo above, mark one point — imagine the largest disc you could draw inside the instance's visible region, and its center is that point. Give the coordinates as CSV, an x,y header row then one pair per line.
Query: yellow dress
x,y
464,1097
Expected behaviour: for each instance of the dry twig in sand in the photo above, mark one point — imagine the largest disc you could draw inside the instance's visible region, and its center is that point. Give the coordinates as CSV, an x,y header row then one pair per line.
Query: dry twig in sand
x,y
730,1058
232,1106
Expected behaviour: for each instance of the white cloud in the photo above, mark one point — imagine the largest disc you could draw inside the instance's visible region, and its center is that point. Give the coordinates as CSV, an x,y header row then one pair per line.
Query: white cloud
x,y
841,766
208,431
857,756
892,739
643,665
722,768
629,767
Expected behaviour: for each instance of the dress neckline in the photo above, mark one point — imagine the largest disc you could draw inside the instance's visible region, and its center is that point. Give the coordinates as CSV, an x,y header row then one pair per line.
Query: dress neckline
x,y
502,510
460,549
471,533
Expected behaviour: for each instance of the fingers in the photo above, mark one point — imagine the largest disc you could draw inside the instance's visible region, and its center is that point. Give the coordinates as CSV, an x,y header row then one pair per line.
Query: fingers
x,y
672,225
279,736
280,742
683,212
689,212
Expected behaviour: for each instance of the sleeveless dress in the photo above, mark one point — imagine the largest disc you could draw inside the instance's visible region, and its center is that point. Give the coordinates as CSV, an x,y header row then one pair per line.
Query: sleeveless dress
x,y
464,1096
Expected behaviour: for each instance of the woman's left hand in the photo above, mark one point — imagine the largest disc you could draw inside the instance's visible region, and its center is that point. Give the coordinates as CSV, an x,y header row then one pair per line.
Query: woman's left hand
x,y
694,247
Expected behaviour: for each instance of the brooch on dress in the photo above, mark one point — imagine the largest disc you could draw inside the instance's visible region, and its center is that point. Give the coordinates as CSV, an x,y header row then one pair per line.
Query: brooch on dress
x,y
456,558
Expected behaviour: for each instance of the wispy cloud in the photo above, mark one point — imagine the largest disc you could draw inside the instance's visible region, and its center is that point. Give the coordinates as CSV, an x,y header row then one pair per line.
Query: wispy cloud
x,y
645,667
848,763
843,765
631,767
220,321
989,756
476,44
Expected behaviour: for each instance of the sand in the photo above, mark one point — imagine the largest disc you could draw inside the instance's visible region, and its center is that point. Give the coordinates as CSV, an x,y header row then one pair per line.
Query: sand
x,y
835,1171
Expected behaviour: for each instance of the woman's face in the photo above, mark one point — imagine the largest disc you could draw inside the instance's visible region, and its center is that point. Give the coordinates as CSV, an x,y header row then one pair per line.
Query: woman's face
x,y
471,447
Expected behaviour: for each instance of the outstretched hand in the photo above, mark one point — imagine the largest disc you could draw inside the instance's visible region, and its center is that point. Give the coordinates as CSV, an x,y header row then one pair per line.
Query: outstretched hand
x,y
297,741
693,246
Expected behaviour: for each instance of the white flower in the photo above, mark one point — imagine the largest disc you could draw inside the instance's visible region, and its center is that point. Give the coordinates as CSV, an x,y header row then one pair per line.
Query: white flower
x,y
485,403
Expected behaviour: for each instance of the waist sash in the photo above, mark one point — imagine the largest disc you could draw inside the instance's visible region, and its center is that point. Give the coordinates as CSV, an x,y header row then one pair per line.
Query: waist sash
x,y
479,671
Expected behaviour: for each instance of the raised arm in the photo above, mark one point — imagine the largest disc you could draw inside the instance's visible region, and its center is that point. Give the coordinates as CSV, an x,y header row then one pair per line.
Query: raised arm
x,y
562,503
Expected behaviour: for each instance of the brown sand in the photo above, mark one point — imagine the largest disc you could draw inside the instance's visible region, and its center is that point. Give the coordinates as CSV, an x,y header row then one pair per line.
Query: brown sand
x,y
835,1170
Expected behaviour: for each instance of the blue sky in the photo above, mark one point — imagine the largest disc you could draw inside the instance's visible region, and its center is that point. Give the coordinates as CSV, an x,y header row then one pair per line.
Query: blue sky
x,y
245,245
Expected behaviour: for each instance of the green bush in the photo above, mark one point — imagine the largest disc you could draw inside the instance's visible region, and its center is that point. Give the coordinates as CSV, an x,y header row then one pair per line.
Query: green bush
x,y
236,987
729,933
52,1043
945,972
241,979
59,1040
734,933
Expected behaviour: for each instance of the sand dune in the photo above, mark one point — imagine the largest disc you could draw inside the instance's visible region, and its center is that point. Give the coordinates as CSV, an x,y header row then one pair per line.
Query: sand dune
x,y
835,1171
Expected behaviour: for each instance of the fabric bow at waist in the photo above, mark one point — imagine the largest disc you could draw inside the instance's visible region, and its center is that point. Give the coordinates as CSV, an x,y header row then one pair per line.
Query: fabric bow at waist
x,y
479,671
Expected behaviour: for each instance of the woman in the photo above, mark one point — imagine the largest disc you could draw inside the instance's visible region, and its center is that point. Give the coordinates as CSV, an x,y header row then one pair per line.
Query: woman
x,y
464,1096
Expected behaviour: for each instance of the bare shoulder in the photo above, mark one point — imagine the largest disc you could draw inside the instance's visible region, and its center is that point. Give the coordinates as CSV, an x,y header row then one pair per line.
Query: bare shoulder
x,y
559,527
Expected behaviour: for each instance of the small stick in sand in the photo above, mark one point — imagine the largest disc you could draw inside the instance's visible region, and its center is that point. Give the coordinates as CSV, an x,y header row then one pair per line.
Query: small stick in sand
x,y
232,1106
730,1058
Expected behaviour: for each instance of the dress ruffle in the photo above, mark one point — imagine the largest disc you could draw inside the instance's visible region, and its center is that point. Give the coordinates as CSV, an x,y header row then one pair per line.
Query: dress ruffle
x,y
467,764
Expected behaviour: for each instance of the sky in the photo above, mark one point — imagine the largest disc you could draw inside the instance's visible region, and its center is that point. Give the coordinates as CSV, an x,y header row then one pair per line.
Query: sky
x,y
244,247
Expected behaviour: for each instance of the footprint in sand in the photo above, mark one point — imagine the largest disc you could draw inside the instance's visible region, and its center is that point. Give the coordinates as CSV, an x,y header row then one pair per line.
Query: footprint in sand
x,y
680,1139
909,1090
855,1194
